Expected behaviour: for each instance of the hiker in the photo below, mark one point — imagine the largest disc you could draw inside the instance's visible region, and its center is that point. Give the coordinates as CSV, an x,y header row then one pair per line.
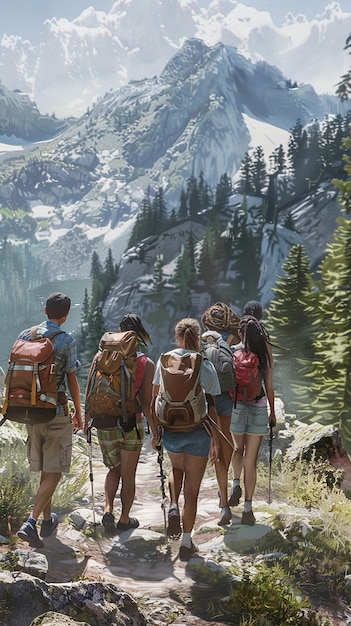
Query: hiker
x,y
250,418
219,317
120,449
188,450
254,308
49,445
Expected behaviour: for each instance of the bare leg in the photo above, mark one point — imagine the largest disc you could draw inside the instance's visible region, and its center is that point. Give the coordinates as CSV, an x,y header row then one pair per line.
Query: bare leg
x,y
175,482
111,485
225,456
239,448
193,468
46,489
129,462
253,443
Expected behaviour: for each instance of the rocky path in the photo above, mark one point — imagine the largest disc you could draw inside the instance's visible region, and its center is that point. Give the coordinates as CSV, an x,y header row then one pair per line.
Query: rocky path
x,y
142,562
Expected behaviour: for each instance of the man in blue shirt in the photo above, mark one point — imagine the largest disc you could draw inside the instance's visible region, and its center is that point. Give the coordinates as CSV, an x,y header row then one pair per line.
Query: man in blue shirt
x,y
50,445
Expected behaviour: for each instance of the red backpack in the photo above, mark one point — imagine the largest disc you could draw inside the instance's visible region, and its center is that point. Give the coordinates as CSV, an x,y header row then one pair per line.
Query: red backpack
x,y
248,376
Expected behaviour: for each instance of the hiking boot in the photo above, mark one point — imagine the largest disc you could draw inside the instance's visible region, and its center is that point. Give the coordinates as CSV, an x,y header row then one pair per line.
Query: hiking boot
x,y
186,553
48,526
29,533
248,518
235,496
174,528
108,522
226,516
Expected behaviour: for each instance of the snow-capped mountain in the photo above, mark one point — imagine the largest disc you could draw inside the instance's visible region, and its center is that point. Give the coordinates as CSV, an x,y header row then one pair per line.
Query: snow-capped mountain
x,y
77,62
199,116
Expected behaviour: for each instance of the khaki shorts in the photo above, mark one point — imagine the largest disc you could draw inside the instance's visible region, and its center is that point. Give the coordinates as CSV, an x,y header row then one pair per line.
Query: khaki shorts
x,y
112,441
49,446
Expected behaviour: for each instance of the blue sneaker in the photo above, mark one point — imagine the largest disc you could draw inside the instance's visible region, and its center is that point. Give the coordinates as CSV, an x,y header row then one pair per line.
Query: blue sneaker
x,y
48,526
29,533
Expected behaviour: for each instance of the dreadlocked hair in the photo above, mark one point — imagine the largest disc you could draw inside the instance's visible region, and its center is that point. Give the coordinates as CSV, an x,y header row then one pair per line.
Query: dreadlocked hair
x,y
221,318
189,330
254,339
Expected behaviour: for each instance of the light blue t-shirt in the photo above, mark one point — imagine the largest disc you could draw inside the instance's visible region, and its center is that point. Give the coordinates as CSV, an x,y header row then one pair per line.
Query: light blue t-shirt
x,y
209,379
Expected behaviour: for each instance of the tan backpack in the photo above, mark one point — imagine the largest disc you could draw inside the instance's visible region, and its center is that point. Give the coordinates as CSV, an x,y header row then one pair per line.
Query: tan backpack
x,y
110,392
181,403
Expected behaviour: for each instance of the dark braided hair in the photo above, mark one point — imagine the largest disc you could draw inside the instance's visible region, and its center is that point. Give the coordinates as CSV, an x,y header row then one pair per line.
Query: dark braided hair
x,y
131,321
254,339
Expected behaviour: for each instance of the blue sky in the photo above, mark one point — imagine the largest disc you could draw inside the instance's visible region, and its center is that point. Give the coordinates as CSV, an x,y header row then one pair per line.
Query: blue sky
x,y
24,17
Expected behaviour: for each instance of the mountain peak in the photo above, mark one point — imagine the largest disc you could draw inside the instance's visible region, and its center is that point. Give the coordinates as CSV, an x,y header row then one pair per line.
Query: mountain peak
x,y
79,61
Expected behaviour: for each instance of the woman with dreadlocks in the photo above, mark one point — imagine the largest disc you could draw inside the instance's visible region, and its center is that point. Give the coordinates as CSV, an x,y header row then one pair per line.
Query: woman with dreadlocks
x,y
121,450
219,320
250,418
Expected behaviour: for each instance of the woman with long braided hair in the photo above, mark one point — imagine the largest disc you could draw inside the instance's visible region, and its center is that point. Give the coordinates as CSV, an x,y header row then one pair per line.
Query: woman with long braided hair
x,y
250,419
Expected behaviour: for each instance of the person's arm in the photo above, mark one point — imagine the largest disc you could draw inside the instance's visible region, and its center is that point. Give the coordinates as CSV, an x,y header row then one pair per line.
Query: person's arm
x,y
212,412
155,438
268,383
145,396
73,387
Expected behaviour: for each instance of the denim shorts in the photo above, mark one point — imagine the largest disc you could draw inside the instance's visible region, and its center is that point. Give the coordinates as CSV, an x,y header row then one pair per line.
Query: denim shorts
x,y
195,442
250,419
224,404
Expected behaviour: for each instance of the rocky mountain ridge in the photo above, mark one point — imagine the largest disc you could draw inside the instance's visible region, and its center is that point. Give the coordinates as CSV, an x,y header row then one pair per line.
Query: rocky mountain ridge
x,y
78,61
82,191
20,118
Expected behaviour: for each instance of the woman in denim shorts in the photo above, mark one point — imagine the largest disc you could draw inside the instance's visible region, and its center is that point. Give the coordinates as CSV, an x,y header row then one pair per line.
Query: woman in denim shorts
x,y
249,421
188,451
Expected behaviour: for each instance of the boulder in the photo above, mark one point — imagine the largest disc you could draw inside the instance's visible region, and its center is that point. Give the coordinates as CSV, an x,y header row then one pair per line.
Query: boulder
x,y
24,598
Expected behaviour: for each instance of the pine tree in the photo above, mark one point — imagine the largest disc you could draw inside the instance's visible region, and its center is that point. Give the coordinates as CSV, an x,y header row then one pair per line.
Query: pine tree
x,y
246,184
344,86
246,236
193,197
158,271
183,280
277,160
183,205
332,374
205,194
110,273
314,164
96,274
224,190
290,319
297,148
85,308
258,171
159,213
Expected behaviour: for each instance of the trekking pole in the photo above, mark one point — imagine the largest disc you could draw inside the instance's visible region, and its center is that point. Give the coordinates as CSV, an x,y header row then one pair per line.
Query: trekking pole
x,y
270,463
91,476
162,477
